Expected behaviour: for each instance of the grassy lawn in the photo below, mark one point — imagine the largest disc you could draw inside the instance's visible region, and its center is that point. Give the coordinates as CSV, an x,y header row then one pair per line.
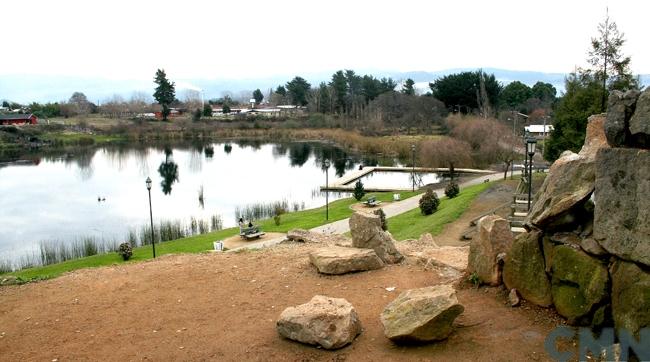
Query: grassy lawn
x,y
305,219
412,224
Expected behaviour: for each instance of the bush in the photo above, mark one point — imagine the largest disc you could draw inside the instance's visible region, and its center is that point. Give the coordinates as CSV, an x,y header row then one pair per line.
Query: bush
x,y
429,202
382,217
359,191
125,251
452,190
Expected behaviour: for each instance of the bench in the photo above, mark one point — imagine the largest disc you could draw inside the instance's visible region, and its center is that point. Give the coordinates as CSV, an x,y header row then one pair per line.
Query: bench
x,y
251,233
372,201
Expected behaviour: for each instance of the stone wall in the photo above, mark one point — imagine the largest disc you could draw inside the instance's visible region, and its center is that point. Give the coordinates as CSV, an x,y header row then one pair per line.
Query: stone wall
x,y
587,251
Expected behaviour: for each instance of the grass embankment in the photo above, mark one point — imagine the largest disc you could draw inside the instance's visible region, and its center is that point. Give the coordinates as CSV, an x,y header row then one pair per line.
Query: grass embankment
x,y
305,219
412,224
68,138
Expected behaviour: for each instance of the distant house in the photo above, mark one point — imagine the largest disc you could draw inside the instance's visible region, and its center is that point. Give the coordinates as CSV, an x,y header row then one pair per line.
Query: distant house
x,y
12,119
538,130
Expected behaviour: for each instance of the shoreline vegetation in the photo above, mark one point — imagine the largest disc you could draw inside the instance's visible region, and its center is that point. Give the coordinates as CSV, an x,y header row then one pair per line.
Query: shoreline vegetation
x,y
402,226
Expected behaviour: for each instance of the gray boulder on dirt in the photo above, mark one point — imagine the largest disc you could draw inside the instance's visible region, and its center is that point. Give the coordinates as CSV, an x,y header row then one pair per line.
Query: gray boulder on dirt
x,y
421,315
570,180
340,260
494,237
524,269
579,282
327,322
622,203
620,109
630,297
367,233
640,122
306,236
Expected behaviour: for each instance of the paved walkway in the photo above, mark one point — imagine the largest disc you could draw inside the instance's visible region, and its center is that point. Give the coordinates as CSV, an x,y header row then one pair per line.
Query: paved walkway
x,y
399,207
392,209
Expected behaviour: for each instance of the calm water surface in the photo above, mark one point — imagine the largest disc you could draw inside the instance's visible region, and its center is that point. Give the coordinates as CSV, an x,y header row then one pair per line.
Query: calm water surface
x,y
56,198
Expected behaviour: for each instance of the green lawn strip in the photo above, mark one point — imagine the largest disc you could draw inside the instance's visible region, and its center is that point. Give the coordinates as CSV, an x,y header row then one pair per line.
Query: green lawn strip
x,y
305,219
412,224
77,138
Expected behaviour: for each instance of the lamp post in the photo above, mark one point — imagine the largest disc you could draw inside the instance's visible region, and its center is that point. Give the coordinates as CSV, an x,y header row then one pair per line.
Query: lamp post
x,y
153,241
530,150
413,167
326,164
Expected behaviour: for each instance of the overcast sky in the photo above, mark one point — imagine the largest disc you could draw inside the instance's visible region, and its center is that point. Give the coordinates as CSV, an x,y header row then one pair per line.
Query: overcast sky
x,y
123,39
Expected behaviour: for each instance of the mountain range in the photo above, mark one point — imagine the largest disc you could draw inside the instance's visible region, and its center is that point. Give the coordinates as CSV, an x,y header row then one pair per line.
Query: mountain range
x,y
51,88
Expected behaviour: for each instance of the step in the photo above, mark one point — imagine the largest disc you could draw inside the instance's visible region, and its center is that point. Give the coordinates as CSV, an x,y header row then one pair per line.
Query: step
x,y
517,230
520,214
521,202
516,223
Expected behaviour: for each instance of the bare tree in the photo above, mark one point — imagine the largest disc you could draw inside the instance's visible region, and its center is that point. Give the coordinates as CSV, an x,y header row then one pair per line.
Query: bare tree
x,y
445,152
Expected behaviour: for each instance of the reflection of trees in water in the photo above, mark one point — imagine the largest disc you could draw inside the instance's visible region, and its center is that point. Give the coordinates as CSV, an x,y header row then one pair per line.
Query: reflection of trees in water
x,y
168,170
196,158
339,159
83,158
227,148
299,153
255,144
279,150
209,151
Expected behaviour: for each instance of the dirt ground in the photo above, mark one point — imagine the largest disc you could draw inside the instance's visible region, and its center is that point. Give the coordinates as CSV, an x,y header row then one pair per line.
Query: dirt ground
x,y
223,306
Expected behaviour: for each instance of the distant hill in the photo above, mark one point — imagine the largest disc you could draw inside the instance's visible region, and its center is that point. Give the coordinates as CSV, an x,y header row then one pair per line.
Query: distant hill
x,y
29,88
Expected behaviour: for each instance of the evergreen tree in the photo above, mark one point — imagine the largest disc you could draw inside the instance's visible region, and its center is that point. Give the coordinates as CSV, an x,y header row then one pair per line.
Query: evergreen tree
x,y
612,69
298,89
359,191
408,87
258,96
207,110
165,92
340,88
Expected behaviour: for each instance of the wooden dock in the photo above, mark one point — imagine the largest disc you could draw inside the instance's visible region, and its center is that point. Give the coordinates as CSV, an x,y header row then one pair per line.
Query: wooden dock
x,y
345,183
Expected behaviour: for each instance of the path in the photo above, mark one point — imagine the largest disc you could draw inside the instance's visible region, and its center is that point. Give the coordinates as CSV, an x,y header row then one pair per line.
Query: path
x,y
399,207
392,209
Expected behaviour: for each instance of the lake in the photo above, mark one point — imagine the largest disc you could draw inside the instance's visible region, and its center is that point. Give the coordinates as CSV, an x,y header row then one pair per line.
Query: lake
x,y
101,192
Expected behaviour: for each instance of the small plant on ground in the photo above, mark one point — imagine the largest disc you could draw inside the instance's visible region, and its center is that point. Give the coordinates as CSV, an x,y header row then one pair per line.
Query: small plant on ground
x,y
382,217
279,210
359,191
474,279
429,202
125,251
452,189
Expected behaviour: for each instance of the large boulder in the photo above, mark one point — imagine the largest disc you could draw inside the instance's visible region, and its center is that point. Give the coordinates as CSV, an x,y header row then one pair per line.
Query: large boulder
x,y
524,269
341,260
622,201
570,180
620,109
421,315
494,238
579,282
367,233
306,236
327,322
640,122
630,297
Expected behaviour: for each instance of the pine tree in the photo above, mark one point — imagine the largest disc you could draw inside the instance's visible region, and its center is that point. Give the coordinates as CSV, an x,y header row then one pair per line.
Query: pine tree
x,y
612,69
164,93
359,191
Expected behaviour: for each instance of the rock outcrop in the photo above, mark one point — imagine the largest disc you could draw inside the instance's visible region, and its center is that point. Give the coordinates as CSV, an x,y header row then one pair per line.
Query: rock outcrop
x,y
524,269
620,109
327,322
341,260
640,122
570,180
622,203
421,315
367,233
630,297
494,237
306,236
579,282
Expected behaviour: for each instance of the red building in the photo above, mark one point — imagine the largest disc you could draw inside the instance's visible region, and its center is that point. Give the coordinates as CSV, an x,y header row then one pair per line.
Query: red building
x,y
8,119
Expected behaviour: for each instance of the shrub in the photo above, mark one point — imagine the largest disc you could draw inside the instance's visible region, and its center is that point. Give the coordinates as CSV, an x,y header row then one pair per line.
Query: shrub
x,y
276,219
125,251
452,189
429,202
382,217
359,191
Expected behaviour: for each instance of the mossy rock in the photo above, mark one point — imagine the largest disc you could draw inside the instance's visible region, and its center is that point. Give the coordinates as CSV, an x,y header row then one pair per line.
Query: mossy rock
x,y
630,297
524,269
579,282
